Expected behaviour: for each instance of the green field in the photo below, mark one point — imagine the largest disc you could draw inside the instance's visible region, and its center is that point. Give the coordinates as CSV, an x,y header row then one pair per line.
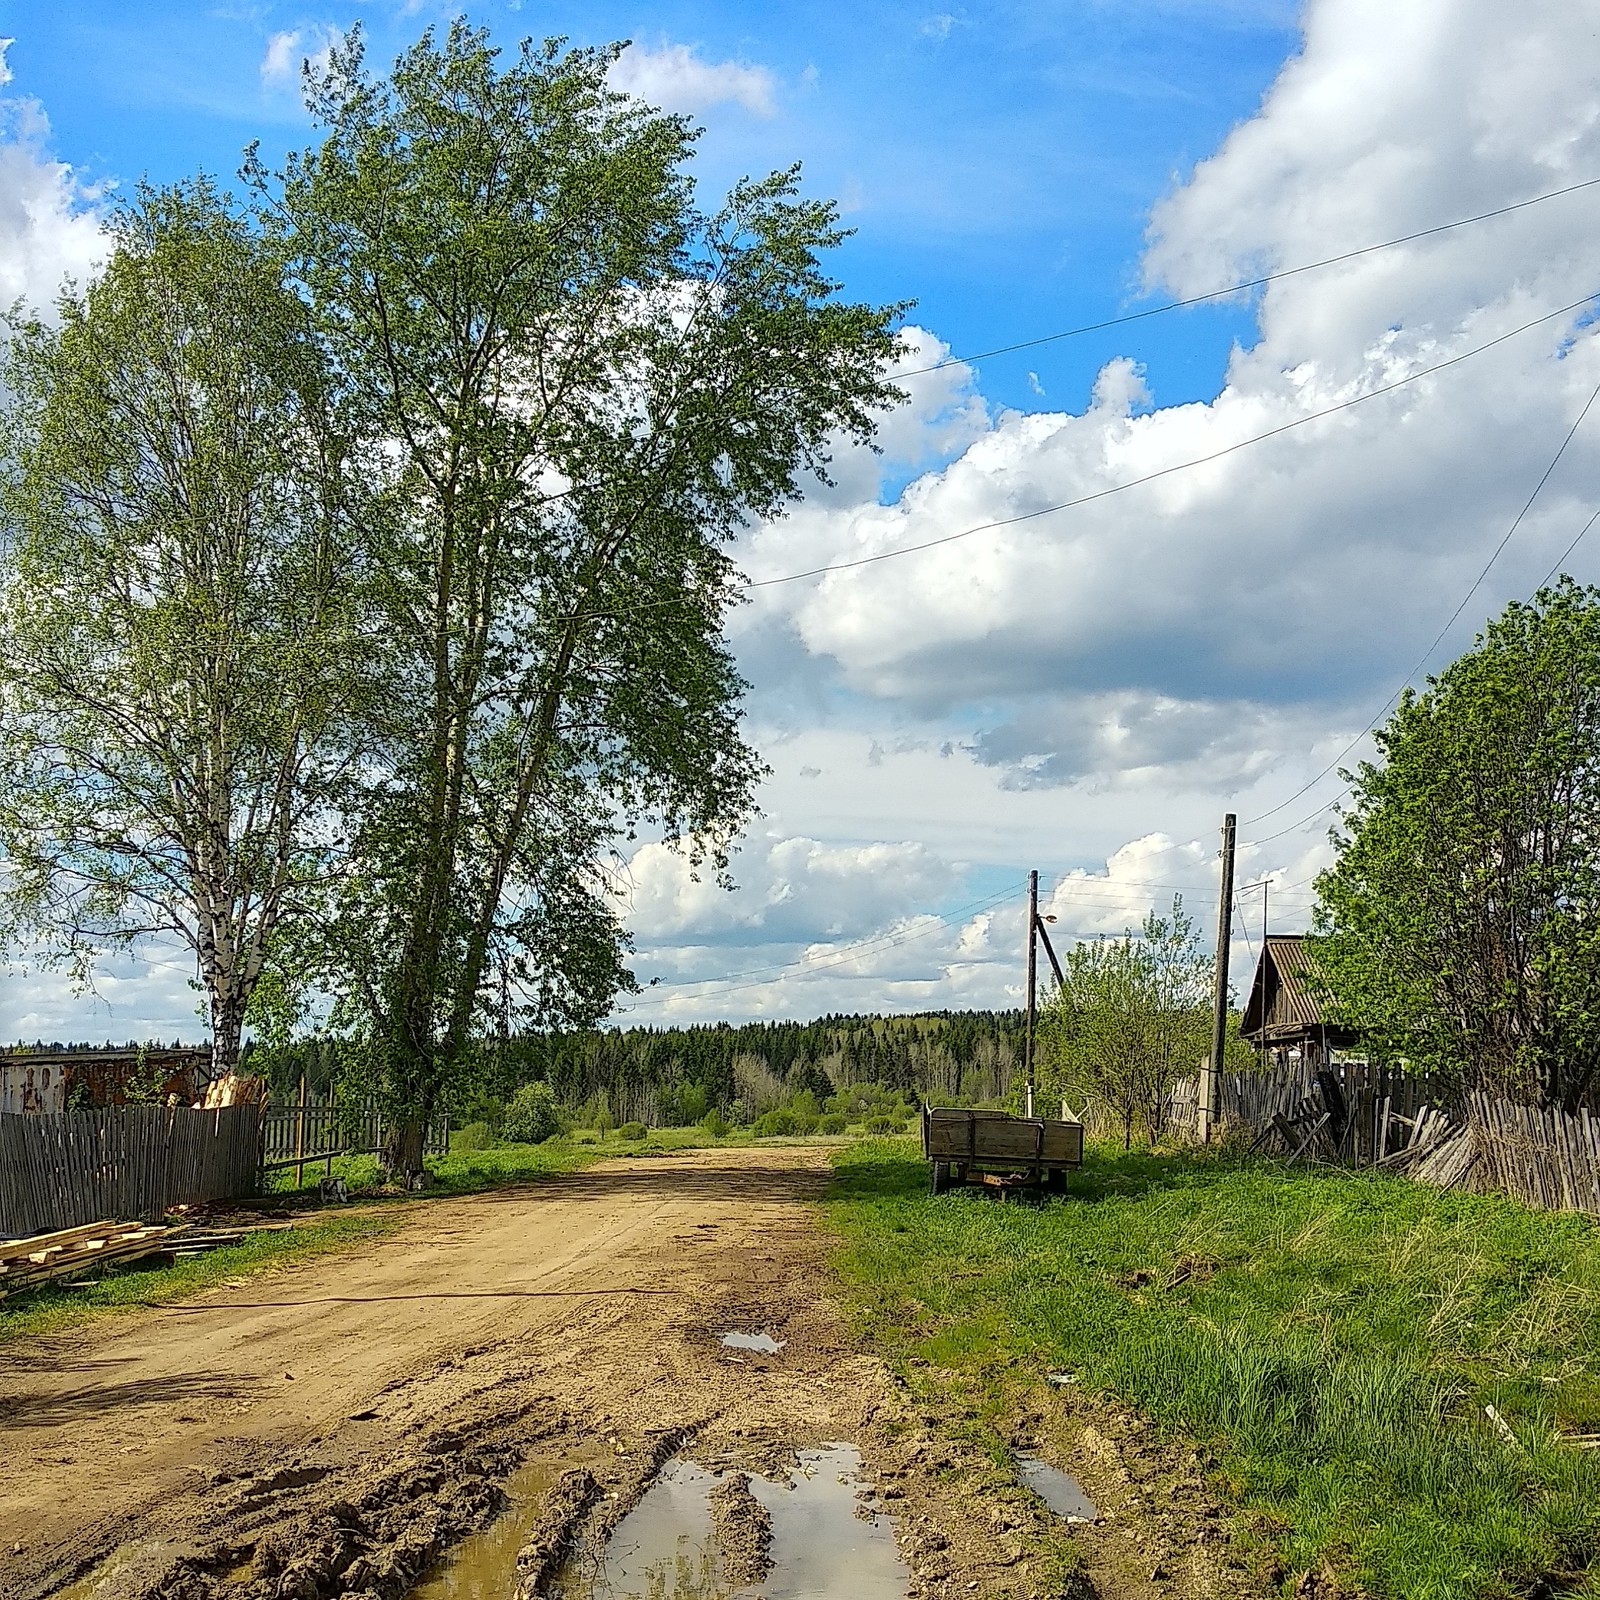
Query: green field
x,y
1334,1337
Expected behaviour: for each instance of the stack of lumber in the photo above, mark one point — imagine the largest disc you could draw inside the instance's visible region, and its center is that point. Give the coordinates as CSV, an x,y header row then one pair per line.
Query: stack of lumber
x,y
26,1263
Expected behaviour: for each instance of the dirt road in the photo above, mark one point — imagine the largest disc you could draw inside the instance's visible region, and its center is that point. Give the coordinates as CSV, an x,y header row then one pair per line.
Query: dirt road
x,y
328,1429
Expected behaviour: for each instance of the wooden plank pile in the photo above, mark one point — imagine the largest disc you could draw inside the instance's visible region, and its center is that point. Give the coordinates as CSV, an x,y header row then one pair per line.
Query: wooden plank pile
x,y
72,1252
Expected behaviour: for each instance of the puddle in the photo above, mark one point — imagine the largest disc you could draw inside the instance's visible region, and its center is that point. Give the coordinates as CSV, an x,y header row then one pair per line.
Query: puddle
x,y
664,1549
122,1561
821,1549
484,1565
1059,1490
764,1342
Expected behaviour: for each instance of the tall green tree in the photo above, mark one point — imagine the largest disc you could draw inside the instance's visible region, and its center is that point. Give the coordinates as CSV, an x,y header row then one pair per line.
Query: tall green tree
x,y
575,387
1131,1019
1460,925
180,626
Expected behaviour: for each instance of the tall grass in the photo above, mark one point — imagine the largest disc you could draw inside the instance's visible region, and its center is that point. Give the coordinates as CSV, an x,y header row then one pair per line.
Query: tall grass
x,y
1334,1337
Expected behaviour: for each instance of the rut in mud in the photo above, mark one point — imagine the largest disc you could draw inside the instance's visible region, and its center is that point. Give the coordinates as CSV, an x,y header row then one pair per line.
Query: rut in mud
x,y
527,1386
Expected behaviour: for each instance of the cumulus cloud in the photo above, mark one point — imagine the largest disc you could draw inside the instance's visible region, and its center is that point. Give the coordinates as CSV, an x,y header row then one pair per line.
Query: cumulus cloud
x,y
49,229
1193,623
674,77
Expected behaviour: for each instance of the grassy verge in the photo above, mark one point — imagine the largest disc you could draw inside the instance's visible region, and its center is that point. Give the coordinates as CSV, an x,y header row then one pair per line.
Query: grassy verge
x,y
1333,1337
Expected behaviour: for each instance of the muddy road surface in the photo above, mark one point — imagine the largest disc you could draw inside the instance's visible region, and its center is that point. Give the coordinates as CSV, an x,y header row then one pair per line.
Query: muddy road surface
x,y
470,1407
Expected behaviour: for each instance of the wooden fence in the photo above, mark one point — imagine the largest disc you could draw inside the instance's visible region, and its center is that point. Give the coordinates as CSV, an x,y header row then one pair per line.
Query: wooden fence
x,y
1545,1158
1356,1114
122,1162
312,1130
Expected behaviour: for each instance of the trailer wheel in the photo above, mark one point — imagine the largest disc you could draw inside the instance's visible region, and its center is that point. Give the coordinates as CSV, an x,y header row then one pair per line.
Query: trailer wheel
x,y
940,1176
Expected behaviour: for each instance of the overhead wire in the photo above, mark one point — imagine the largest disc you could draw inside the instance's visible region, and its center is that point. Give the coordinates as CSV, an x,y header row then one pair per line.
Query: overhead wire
x,y
1454,616
1243,285
1164,472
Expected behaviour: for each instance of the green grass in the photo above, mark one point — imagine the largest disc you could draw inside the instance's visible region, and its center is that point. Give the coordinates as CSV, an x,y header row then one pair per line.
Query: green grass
x,y
1334,1338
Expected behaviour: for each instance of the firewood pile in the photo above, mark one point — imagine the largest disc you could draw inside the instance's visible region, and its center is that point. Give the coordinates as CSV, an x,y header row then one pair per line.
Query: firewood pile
x,y
74,1252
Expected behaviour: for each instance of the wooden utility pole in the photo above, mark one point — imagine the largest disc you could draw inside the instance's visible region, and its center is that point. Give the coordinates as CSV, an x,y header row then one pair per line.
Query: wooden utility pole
x,y
1219,1000
1033,1006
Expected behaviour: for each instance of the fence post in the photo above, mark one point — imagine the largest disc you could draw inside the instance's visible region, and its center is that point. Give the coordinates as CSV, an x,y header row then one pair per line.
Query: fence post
x,y
300,1136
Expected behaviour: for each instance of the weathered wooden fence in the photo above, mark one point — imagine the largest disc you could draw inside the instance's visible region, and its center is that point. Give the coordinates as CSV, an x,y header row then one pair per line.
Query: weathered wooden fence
x,y
1543,1157
1356,1114
311,1130
122,1163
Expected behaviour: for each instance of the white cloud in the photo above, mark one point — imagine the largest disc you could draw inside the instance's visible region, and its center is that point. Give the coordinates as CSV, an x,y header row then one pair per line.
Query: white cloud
x,y
281,61
5,66
674,77
1226,615
49,229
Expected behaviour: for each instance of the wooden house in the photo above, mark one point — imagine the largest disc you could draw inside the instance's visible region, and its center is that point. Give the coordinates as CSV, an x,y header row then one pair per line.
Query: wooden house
x,y
1283,1018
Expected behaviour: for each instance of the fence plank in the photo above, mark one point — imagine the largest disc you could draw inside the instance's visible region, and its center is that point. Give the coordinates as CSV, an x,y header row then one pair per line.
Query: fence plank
x,y
124,1162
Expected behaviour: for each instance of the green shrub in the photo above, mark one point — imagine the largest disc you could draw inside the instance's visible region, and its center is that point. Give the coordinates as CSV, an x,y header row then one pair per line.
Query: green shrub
x,y
603,1122
475,1136
832,1122
533,1116
633,1132
775,1124
715,1124
886,1125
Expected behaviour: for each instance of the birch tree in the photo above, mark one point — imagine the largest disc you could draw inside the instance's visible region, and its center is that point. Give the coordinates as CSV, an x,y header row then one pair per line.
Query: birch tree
x,y
179,625
576,387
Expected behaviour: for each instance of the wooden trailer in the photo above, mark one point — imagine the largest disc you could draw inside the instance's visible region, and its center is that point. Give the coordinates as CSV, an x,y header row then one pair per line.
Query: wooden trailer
x,y
996,1148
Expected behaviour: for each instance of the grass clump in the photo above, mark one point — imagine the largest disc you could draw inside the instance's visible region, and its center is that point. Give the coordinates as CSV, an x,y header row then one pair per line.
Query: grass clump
x,y
1334,1337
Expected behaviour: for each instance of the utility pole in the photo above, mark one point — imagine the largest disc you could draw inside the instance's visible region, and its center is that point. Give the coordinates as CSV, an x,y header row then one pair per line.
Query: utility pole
x,y
1033,1007
1219,1004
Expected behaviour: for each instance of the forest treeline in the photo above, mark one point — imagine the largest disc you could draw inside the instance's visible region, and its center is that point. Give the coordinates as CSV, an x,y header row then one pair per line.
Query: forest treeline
x,y
674,1076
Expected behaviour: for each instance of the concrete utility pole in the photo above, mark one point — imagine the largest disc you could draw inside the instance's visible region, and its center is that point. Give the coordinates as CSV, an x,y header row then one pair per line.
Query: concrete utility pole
x,y
1219,1004
1033,1006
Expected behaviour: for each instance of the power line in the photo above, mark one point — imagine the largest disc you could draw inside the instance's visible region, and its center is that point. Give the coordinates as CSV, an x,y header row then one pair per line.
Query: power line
x,y
1247,283
1454,616
1163,472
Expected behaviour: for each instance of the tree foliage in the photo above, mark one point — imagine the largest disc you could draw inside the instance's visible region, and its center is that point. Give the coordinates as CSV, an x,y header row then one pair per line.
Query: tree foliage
x,y
180,625
1460,925
573,388
1132,1017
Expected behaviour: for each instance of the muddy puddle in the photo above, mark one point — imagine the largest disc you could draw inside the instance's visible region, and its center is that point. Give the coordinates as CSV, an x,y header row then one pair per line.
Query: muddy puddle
x,y
824,1544
1059,1490
484,1565
764,1342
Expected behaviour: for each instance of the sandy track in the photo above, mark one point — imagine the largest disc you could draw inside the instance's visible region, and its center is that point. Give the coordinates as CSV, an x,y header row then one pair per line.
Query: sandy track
x,y
327,1429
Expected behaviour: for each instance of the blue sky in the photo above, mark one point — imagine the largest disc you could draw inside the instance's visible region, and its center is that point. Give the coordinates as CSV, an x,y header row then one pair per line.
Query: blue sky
x,y
998,162
1088,692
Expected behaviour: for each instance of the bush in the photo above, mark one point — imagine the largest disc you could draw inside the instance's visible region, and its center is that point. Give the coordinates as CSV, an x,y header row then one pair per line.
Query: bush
x,y
886,1125
633,1132
475,1136
715,1124
774,1124
832,1122
533,1116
